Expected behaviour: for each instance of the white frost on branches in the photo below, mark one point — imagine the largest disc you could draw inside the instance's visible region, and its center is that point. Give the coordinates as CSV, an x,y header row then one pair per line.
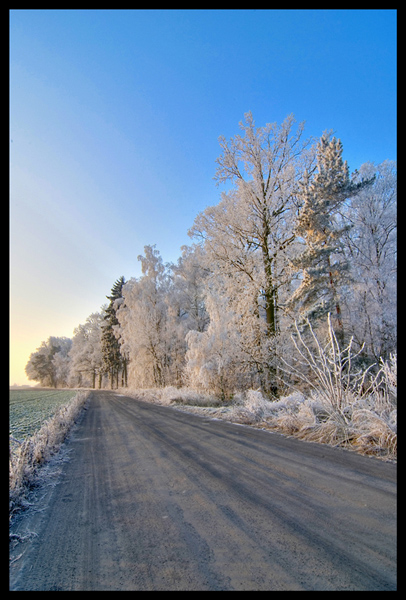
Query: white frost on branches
x,y
295,237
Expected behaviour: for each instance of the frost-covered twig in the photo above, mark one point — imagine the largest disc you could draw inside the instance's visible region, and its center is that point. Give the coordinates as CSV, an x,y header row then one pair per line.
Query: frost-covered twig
x,y
359,408
331,368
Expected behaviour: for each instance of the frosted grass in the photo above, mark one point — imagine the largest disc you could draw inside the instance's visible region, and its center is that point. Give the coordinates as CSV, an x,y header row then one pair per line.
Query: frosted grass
x,y
28,455
29,409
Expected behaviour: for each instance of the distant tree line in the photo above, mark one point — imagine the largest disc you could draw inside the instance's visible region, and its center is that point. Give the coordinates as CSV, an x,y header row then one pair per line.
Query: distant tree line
x,y
296,237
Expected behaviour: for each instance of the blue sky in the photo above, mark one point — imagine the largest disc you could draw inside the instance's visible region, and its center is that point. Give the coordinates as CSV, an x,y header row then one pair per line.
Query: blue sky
x,y
114,123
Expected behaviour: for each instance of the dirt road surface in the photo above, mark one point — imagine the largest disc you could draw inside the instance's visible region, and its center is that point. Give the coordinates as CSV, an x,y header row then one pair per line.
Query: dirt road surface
x,y
153,498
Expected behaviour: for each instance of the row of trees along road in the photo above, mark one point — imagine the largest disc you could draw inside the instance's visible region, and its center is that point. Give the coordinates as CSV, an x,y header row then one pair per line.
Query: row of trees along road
x,y
294,238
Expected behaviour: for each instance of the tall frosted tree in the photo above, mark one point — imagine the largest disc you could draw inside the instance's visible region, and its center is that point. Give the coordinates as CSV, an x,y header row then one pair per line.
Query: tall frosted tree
x,y
371,248
189,284
322,263
143,318
113,360
85,354
247,236
265,165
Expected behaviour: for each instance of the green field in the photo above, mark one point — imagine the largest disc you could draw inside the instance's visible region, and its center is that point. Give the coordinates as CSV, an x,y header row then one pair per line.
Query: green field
x,y
30,408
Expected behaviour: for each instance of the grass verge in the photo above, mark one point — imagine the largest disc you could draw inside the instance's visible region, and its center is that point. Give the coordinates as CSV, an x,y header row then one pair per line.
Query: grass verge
x,y
27,456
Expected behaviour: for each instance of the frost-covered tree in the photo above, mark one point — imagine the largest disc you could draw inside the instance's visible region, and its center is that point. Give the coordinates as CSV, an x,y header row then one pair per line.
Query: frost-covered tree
x,y
114,360
322,263
265,164
213,356
61,362
371,249
49,363
143,320
247,236
86,352
158,310
189,286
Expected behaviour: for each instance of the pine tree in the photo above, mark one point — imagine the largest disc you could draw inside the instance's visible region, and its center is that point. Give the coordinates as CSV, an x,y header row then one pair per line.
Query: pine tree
x,y
322,263
113,361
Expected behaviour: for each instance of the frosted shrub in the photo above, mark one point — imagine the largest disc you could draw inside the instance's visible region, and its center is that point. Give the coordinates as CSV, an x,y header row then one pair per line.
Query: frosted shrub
x,y
346,406
256,404
290,403
376,416
252,407
331,372
388,383
290,413
376,431
188,396
170,395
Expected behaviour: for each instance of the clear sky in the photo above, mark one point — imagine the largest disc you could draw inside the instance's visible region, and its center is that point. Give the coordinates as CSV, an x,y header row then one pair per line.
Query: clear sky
x,y
114,123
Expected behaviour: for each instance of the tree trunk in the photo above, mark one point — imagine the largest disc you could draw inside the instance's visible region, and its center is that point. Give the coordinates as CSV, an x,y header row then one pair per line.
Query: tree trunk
x,y
269,290
270,297
340,332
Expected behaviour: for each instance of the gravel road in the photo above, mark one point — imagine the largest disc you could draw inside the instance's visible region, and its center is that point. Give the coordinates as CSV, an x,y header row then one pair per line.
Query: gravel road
x,y
153,498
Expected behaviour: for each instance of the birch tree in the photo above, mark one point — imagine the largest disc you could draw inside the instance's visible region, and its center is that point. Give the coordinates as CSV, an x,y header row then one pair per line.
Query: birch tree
x,y
265,164
248,234
371,249
143,321
86,352
189,285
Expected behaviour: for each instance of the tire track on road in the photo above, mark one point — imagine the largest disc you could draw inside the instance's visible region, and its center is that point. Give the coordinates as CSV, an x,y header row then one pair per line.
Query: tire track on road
x,y
158,499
